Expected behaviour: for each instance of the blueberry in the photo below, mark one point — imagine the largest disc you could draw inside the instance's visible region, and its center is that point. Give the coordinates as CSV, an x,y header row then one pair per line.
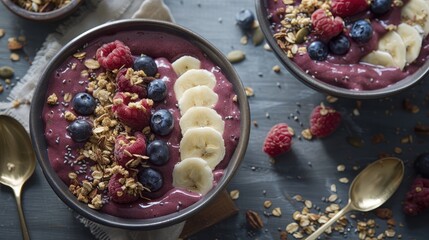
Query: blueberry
x,y
361,31
147,64
157,90
162,122
245,19
317,50
80,130
84,103
339,45
421,165
381,6
158,152
150,178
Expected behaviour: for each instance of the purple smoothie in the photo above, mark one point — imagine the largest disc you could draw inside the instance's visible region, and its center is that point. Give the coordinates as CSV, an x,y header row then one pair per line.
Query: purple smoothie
x,y
164,48
347,71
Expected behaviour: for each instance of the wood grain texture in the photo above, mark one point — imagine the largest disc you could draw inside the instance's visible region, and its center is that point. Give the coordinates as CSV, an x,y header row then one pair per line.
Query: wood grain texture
x,y
308,169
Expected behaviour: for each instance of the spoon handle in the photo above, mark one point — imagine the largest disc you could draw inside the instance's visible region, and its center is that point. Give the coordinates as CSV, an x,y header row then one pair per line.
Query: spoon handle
x,y
325,226
17,191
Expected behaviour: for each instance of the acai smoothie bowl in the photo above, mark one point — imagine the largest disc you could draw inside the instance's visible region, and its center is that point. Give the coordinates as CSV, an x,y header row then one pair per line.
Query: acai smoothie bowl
x,y
350,48
139,124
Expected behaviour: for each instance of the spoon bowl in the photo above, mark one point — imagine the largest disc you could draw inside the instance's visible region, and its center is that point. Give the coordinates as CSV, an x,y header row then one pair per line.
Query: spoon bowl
x,y
17,161
372,187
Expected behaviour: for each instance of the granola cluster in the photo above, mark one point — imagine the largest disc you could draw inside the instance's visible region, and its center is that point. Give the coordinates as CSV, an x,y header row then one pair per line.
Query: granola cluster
x,y
41,5
296,24
99,149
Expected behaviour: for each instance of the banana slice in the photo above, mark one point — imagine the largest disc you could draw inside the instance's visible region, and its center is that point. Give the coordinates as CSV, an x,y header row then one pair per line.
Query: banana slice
x,y
205,143
192,78
417,11
202,96
392,43
380,58
194,175
185,63
412,40
196,117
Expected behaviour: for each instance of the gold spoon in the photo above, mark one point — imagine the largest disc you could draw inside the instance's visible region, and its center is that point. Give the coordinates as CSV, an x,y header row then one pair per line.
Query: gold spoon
x,y
370,189
17,161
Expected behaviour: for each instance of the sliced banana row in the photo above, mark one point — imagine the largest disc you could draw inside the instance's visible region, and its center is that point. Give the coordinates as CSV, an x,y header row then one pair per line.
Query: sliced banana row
x,y
202,146
404,44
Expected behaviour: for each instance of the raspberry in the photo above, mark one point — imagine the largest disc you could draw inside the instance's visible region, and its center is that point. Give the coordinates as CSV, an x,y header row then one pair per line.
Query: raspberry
x,y
417,198
325,25
278,140
348,8
114,55
129,81
125,146
324,121
131,111
116,193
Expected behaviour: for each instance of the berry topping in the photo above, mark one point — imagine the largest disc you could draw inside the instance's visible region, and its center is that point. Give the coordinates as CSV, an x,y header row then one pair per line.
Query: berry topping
x,y
118,192
114,55
324,121
347,8
131,111
361,31
131,81
339,45
317,50
157,90
84,104
380,6
158,152
151,179
325,25
147,65
417,198
162,122
126,149
421,165
278,140
80,130
245,19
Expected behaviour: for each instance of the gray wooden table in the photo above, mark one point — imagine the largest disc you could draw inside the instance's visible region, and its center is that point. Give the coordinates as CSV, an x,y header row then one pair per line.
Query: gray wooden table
x,y
308,170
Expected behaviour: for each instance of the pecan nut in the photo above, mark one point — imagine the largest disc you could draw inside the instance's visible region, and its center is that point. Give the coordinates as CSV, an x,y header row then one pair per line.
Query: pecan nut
x,y
422,129
384,213
254,220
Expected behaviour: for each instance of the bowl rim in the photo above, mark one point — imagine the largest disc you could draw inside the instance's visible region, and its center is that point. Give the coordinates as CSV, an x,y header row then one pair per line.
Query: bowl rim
x,y
40,146
53,15
295,70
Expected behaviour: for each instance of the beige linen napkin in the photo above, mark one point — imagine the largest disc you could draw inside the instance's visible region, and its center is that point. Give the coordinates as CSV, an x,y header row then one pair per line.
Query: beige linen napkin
x,y
91,14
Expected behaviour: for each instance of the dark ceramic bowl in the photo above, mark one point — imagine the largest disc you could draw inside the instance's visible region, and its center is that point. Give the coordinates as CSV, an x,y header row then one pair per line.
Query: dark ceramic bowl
x,y
37,125
263,18
48,16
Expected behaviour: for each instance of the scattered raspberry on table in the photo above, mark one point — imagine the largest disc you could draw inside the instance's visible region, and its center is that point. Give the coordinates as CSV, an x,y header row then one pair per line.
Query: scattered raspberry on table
x,y
417,198
278,140
324,121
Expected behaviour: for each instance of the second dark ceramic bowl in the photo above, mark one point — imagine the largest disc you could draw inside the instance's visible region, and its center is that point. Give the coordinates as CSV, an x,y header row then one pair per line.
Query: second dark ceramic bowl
x,y
48,16
37,127
263,18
